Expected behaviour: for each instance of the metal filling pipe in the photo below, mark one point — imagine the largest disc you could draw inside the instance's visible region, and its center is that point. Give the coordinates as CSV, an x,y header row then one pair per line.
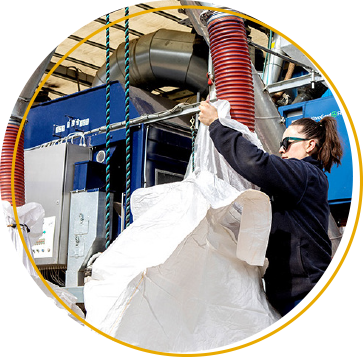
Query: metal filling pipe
x,y
269,124
232,66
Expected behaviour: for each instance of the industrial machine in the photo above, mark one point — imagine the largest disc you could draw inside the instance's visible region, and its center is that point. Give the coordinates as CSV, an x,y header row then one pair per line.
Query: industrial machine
x,y
67,175
65,141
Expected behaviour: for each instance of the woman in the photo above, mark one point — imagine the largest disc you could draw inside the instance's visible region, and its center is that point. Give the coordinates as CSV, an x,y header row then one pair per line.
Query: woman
x,y
299,249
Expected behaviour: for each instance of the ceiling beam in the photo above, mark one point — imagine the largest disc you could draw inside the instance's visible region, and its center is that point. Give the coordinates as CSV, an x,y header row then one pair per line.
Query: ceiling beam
x,y
161,13
71,74
91,43
119,27
78,62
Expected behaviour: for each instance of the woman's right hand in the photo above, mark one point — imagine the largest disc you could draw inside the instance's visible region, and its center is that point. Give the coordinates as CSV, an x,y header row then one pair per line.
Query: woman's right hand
x,y
208,113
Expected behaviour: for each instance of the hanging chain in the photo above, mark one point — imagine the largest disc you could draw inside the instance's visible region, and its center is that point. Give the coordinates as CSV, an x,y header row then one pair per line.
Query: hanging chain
x,y
192,128
127,122
108,135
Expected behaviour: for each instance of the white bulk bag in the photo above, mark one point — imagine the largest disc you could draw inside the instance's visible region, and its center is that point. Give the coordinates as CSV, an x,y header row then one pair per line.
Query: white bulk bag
x,y
186,275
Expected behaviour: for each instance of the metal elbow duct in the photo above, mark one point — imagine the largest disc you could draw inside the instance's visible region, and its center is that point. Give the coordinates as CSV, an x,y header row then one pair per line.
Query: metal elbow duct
x,y
163,58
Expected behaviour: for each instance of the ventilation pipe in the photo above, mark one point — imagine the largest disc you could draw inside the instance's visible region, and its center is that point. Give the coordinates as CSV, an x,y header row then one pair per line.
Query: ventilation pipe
x,y
11,134
147,59
232,66
274,67
163,58
6,165
269,125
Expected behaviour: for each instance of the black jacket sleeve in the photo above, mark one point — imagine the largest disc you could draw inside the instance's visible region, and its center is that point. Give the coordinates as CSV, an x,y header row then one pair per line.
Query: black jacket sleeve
x,y
274,175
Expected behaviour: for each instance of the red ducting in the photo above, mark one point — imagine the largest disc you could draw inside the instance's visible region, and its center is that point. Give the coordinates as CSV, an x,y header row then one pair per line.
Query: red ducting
x,y
232,66
6,163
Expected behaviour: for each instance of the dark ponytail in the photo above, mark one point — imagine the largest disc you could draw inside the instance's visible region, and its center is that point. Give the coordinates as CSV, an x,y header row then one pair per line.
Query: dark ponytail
x,y
329,148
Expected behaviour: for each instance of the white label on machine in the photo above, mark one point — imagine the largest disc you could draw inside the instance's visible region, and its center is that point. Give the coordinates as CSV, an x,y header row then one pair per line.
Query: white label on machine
x,y
44,246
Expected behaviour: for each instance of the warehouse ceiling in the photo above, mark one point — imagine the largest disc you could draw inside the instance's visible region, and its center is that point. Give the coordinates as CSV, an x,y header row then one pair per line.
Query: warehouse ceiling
x,y
77,71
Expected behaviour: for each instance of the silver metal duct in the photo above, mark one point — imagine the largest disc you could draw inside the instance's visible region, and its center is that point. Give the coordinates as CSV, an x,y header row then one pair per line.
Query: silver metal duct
x,y
163,58
269,125
173,58
274,66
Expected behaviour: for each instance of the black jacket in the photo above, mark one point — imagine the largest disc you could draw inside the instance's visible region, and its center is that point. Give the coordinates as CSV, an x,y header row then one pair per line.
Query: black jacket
x,y
299,248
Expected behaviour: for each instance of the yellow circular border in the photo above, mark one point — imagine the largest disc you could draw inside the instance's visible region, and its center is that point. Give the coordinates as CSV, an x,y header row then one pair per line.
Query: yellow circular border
x,y
31,258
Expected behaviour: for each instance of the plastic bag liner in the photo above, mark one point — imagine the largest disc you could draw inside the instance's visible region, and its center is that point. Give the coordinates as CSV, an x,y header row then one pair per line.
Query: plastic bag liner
x,y
30,218
186,275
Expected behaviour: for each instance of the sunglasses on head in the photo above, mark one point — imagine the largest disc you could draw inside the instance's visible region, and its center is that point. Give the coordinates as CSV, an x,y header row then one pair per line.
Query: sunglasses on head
x,y
289,140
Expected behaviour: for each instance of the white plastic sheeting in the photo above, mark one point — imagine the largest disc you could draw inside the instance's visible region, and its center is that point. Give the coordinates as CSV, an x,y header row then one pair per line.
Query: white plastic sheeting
x,y
30,216
186,275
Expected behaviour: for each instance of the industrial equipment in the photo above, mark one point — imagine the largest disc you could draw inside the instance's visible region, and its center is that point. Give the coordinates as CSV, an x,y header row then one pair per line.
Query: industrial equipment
x,y
49,180
65,140
72,187
86,237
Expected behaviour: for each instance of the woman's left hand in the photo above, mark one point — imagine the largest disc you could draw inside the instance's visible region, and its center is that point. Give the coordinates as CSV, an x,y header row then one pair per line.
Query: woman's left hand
x,y
208,113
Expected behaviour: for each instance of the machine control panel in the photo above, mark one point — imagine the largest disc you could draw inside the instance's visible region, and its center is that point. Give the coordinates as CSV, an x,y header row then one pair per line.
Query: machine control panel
x,y
44,245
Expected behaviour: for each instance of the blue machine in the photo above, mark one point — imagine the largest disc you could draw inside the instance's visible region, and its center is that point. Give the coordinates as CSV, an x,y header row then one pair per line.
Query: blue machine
x,y
160,152
340,178
81,111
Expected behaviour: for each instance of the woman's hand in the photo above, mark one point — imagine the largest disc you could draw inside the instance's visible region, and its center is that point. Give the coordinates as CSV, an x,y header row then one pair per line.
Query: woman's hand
x,y
208,114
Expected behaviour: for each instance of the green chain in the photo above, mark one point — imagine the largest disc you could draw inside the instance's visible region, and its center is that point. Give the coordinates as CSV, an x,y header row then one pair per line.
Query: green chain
x,y
192,128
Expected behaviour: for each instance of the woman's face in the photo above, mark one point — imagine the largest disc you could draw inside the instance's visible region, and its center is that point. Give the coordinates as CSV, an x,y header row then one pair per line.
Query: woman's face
x,y
296,149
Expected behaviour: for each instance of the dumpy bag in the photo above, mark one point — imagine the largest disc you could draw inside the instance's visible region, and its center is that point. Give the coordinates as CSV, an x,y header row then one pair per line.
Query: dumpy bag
x,y
185,276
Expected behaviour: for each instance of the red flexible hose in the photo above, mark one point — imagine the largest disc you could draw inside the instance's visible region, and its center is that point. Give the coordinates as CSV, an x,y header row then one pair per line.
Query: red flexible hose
x,y
232,67
6,163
